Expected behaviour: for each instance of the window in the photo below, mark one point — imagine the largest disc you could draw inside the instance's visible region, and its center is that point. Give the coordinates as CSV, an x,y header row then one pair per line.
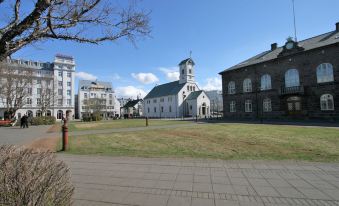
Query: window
x,y
59,91
69,84
59,101
69,92
162,100
38,90
69,102
60,83
188,88
162,109
170,109
326,102
110,102
155,109
38,101
267,107
28,101
266,82
190,71
148,110
194,89
69,74
182,71
292,78
154,100
38,81
325,73
231,87
60,74
110,96
191,88
248,105
232,106
85,95
29,91
247,85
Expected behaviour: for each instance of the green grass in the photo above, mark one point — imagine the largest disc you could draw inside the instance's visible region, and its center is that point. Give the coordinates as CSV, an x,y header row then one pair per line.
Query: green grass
x,y
221,141
123,123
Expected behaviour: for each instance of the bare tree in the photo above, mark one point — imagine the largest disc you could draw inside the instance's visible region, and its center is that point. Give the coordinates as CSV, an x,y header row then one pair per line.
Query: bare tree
x,y
47,96
73,20
14,87
94,106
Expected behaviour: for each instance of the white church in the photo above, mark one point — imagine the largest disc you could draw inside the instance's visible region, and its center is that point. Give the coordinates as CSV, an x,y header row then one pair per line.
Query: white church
x,y
177,99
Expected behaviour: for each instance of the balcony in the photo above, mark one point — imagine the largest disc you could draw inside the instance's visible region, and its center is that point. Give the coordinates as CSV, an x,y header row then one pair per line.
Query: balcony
x,y
291,90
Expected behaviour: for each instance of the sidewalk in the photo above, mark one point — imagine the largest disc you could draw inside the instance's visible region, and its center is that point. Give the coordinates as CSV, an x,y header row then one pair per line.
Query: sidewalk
x,y
193,182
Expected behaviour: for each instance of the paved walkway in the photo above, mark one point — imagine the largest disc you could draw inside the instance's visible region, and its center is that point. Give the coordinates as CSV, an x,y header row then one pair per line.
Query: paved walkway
x,y
19,136
179,182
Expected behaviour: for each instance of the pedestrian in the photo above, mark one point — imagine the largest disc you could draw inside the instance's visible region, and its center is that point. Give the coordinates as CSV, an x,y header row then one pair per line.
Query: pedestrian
x,y
25,121
22,122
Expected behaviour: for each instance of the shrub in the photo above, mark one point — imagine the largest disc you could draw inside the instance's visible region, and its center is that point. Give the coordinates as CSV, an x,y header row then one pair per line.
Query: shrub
x,y
31,177
86,119
43,120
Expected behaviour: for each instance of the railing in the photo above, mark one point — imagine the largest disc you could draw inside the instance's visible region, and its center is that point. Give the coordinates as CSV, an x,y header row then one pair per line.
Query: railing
x,y
292,90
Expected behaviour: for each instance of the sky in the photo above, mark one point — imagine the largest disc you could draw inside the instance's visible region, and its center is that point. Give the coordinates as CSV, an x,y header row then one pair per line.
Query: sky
x,y
220,34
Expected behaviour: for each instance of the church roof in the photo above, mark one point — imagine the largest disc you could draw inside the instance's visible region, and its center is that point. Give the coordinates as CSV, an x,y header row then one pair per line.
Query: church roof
x,y
189,60
194,95
132,103
307,44
171,88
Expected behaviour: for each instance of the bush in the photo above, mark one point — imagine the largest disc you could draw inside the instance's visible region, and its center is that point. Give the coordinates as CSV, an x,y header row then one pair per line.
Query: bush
x,y
32,177
86,119
43,120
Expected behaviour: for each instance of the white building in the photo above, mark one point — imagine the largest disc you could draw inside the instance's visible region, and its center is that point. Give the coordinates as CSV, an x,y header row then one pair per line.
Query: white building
x,y
216,102
180,98
57,77
97,96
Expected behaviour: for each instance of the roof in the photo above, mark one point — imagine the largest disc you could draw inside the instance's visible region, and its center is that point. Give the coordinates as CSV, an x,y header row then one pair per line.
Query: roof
x,y
132,103
90,83
308,44
189,60
171,88
194,95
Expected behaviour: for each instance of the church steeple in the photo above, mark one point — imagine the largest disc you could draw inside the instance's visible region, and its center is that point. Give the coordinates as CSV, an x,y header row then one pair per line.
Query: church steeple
x,y
186,70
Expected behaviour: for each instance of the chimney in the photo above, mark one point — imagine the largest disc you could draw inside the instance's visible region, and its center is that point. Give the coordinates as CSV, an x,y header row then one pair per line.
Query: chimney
x,y
274,46
337,26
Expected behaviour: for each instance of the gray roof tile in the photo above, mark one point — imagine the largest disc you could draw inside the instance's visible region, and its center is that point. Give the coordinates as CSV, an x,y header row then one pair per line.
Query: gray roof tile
x,y
194,95
171,88
308,44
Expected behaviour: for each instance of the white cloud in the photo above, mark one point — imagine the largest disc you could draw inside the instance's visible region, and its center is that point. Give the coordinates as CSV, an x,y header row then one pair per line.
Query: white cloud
x,y
130,92
212,84
145,78
85,76
171,73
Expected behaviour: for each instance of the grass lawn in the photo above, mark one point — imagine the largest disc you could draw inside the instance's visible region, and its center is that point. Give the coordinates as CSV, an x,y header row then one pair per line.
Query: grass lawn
x,y
222,141
122,123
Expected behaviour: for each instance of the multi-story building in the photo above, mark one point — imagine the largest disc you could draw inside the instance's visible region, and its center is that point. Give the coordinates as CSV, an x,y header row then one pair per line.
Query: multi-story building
x,y
216,102
297,80
132,108
55,79
181,98
97,97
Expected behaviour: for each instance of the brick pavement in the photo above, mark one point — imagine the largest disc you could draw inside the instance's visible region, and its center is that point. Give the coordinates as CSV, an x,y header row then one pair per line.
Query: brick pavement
x,y
193,182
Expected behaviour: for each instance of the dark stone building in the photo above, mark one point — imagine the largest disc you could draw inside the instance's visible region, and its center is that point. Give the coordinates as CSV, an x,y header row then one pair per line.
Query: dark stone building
x,y
297,80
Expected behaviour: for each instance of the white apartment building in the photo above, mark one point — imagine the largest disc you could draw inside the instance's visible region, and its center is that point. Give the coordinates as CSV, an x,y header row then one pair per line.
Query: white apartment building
x,y
97,96
57,77
181,98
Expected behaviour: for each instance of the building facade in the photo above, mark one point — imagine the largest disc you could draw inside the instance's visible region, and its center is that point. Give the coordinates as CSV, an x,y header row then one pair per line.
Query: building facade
x,y
181,98
215,97
55,79
297,80
132,109
97,97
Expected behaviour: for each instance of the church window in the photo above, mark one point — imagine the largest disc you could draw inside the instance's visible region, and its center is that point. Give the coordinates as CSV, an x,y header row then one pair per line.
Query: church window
x,y
154,100
193,88
188,88
155,109
162,109
182,71
190,71
170,109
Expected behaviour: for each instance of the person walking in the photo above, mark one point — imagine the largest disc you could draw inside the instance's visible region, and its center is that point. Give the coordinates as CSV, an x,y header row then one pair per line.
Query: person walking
x,y
22,122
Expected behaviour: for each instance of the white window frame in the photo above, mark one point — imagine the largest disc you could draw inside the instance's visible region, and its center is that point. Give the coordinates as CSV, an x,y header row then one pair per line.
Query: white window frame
x,y
248,105
233,106
266,82
326,102
231,87
325,73
267,105
247,85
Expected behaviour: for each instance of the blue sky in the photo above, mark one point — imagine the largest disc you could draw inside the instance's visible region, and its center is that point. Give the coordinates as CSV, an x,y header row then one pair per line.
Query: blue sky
x,y
220,33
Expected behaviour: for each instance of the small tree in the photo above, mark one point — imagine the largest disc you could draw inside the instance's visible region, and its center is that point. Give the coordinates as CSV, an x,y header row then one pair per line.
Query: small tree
x,y
31,177
47,95
14,84
70,20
